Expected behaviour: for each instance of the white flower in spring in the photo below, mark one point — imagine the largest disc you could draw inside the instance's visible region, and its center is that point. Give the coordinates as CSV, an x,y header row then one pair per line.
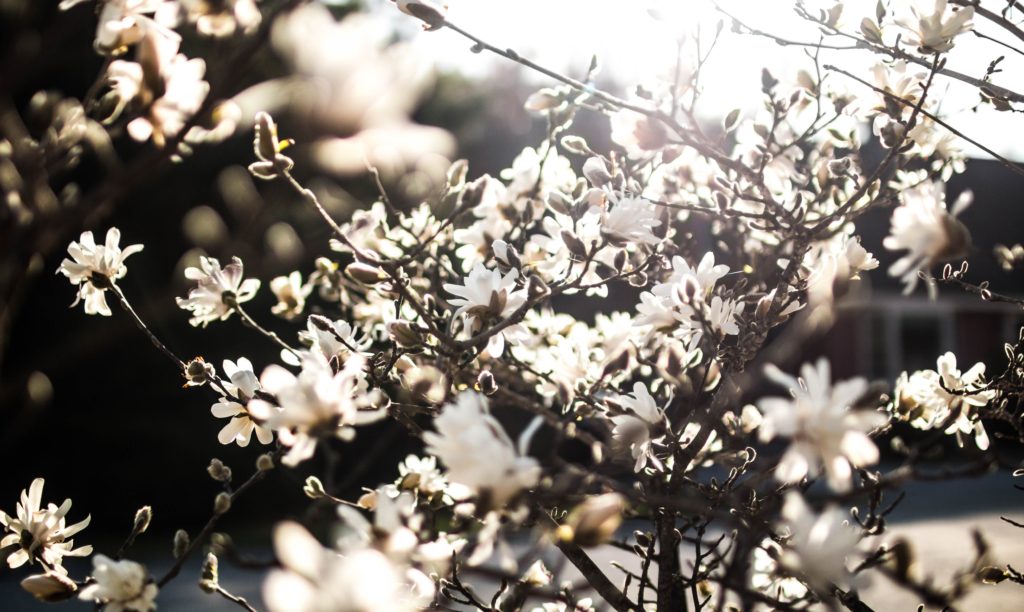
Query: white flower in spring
x,y
634,427
932,25
765,575
486,296
639,134
222,18
166,85
421,474
291,295
120,586
630,221
241,390
818,544
824,428
931,398
41,533
123,23
929,233
317,402
706,275
333,339
217,290
95,267
477,452
582,605
315,579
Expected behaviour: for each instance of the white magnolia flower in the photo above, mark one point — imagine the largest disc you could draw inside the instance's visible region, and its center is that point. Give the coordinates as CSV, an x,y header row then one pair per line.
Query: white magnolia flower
x,y
932,25
217,290
634,427
630,221
291,295
638,134
582,605
333,339
929,233
41,533
315,579
706,274
818,545
823,426
422,474
222,18
120,586
95,267
765,575
485,297
317,402
123,23
241,390
465,433
930,398
169,94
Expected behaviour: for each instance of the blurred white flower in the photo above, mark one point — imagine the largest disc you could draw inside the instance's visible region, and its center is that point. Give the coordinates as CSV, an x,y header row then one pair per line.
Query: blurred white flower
x,y
165,85
421,474
234,406
582,605
818,545
222,17
633,429
485,297
638,134
929,233
824,428
315,579
120,586
765,575
95,267
291,295
465,432
332,339
123,23
217,290
41,533
932,25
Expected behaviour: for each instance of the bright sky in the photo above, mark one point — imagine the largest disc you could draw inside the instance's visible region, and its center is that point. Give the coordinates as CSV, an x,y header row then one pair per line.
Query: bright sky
x,y
634,48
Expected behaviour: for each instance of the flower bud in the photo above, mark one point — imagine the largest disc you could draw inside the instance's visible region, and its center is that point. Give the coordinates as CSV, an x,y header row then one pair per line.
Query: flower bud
x,y
543,100
222,503
198,372
403,334
430,13
218,471
364,273
314,489
596,172
987,575
265,462
574,244
486,384
595,520
49,587
181,542
208,579
143,516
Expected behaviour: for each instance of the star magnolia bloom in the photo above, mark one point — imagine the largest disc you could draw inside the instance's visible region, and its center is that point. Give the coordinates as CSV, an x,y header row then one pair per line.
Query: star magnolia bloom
x,y
631,220
634,428
241,390
823,427
291,295
486,296
319,401
465,433
922,226
217,290
120,586
41,533
932,27
123,23
818,544
95,267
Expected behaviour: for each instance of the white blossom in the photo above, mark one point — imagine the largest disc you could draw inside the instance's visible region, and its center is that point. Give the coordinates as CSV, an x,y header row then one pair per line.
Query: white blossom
x,y
818,544
217,290
95,267
291,295
634,427
824,426
932,25
319,401
465,432
123,23
765,574
222,18
41,533
631,221
120,586
234,406
929,233
486,296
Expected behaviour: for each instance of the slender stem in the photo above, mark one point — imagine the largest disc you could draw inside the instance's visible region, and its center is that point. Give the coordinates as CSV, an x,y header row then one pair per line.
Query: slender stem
x,y
266,332
235,598
257,476
142,326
